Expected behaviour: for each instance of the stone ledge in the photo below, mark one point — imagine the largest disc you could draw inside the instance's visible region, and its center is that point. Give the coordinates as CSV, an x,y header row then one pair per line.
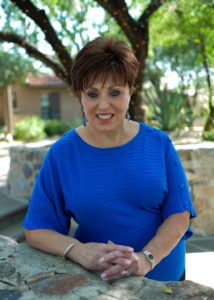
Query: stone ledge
x,y
27,273
203,146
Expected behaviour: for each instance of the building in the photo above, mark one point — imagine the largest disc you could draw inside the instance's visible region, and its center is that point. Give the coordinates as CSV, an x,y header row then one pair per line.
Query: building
x,y
44,95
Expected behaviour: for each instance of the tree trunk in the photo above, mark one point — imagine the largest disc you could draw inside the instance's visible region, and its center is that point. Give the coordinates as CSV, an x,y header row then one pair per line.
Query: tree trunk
x,y
140,43
137,110
210,120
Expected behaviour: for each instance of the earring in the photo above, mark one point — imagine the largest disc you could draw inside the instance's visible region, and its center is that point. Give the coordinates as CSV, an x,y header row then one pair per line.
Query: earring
x,y
84,122
128,116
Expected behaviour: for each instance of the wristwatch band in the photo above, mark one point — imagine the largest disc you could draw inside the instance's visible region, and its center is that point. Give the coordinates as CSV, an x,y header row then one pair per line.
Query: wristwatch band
x,y
149,256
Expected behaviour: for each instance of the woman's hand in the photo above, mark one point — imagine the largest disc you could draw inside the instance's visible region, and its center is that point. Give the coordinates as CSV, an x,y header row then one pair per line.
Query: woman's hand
x,y
118,263
89,254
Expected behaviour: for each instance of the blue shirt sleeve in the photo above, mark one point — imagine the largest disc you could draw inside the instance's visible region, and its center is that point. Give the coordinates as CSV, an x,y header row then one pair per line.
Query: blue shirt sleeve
x,y
46,207
178,197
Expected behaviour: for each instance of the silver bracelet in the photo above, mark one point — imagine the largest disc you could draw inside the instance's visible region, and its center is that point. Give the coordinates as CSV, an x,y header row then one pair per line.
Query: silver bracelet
x,y
68,249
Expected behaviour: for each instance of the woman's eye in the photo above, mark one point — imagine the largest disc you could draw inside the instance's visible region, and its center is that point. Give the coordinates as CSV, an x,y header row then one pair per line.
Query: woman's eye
x,y
115,93
92,94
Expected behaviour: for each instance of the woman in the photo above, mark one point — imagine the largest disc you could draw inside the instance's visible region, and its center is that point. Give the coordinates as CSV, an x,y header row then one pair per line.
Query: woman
x,y
122,181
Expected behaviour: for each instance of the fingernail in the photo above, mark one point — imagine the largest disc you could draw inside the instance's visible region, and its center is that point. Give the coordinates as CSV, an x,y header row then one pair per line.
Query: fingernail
x,y
102,259
103,276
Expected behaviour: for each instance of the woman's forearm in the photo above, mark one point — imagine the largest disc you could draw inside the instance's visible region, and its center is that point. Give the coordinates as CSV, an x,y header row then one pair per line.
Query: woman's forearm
x,y
168,235
48,240
86,254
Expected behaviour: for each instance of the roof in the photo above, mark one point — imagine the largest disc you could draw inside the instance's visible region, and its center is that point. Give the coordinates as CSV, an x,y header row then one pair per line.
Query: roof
x,y
44,80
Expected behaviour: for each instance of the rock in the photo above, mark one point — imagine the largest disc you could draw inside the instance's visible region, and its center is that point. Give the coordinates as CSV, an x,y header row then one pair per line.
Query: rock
x,y
6,241
27,171
6,270
31,274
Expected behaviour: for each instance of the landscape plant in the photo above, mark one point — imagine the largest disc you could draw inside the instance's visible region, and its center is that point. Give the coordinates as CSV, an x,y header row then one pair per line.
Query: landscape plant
x,y
33,128
57,127
166,106
208,135
29,129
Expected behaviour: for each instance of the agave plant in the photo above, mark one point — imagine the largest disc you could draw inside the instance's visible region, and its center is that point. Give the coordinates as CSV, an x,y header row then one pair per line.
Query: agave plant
x,y
166,106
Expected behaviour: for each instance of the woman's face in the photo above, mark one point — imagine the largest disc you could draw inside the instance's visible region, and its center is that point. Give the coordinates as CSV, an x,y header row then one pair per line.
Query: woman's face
x,y
105,106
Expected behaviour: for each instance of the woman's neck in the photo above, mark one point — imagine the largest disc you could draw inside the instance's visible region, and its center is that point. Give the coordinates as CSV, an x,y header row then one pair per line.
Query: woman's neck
x,y
109,139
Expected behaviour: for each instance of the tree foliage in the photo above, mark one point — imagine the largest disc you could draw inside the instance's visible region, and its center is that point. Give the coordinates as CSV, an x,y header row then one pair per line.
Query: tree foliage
x,y
184,32
64,26
14,68
179,33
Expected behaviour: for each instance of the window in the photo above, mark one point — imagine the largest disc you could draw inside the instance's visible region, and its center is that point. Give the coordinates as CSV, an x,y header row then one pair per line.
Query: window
x,y
54,106
50,106
45,107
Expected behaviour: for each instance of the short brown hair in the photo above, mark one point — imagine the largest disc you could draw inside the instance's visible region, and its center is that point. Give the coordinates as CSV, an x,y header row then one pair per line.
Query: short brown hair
x,y
100,58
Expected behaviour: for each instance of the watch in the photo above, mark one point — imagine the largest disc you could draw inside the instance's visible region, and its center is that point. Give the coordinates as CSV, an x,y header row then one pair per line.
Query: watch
x,y
149,257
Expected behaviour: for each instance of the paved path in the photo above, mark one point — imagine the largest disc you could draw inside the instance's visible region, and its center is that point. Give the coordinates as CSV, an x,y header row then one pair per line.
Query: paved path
x,y
200,250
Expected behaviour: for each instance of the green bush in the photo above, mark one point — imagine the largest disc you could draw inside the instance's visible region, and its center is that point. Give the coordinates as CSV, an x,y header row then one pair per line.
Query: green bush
x,y
29,129
56,127
3,130
208,135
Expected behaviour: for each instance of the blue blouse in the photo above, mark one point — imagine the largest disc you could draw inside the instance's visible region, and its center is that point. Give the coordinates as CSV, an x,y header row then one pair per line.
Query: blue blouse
x,y
122,194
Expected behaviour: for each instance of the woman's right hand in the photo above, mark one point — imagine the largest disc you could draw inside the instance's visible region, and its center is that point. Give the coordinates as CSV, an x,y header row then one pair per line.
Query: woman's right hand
x,y
89,254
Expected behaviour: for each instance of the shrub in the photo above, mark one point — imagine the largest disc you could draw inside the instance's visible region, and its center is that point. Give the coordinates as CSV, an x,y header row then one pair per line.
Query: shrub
x,y
3,133
208,135
29,129
56,127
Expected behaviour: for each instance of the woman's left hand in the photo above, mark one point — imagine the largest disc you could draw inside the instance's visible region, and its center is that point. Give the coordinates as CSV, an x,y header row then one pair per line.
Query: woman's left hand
x,y
124,265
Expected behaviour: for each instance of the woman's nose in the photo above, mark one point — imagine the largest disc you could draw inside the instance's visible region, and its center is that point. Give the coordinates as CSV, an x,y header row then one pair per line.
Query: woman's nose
x,y
103,103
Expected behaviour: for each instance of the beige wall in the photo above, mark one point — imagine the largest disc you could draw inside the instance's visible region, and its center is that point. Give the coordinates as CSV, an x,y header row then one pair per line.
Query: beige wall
x,y
1,108
4,109
70,107
28,102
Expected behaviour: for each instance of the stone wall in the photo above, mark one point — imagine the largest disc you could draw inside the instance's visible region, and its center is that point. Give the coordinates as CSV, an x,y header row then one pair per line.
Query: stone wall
x,y
27,273
198,162
25,163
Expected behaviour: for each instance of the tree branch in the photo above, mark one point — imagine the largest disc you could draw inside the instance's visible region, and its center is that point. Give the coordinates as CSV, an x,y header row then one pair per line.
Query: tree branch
x,y
151,8
119,11
34,52
40,18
